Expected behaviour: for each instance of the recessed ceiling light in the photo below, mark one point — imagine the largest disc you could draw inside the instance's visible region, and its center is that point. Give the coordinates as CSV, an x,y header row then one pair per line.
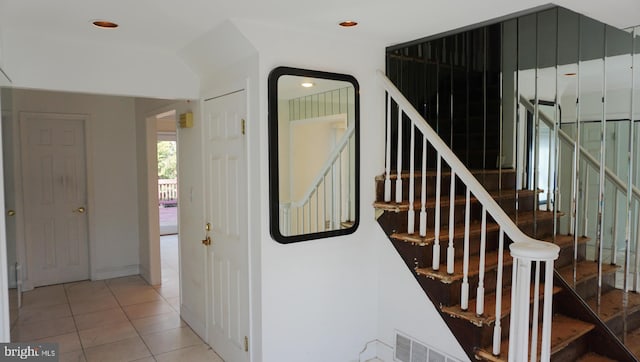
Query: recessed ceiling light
x,y
104,24
307,84
348,23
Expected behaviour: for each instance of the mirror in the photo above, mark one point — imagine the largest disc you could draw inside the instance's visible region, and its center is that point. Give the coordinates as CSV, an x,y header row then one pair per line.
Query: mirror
x,y
313,154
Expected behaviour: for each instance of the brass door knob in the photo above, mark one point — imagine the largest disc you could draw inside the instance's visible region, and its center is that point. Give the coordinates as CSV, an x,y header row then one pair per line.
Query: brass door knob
x,y
207,241
11,212
80,210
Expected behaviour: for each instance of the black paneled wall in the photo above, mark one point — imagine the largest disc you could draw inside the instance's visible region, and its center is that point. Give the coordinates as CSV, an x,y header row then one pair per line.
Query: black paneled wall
x,y
454,82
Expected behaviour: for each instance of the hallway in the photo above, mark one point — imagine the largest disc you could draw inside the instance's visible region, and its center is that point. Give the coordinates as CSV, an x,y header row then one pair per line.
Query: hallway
x,y
121,319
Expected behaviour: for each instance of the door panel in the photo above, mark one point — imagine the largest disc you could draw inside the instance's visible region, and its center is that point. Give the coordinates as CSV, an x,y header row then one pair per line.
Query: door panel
x,y
227,211
54,179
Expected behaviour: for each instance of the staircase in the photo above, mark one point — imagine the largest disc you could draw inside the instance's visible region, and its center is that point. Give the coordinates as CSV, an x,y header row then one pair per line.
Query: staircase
x,y
442,214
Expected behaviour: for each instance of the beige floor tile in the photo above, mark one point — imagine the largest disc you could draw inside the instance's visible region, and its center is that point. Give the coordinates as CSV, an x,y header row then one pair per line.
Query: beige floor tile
x,y
146,359
171,339
44,296
158,323
100,318
85,286
175,303
38,330
75,356
96,304
129,280
143,310
126,350
88,296
129,297
42,313
169,290
127,288
66,343
199,353
107,334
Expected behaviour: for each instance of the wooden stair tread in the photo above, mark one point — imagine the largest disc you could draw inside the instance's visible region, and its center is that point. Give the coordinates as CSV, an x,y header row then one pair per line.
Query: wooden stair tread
x,y
564,331
633,342
445,200
611,304
489,316
491,262
594,357
431,172
566,240
475,228
585,270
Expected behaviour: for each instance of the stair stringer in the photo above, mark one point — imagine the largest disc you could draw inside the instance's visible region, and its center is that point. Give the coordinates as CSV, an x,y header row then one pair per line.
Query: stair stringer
x,y
403,308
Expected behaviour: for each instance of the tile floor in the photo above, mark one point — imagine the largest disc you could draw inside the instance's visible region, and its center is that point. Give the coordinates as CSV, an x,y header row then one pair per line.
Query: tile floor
x,y
122,319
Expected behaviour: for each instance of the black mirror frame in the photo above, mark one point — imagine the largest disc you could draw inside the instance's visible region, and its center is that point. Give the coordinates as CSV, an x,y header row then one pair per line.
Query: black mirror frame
x,y
274,197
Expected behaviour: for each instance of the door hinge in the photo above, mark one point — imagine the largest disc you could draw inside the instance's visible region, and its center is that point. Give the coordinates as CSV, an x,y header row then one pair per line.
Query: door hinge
x,y
244,126
246,344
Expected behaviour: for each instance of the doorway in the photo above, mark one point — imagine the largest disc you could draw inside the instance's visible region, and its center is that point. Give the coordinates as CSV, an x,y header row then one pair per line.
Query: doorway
x,y
167,181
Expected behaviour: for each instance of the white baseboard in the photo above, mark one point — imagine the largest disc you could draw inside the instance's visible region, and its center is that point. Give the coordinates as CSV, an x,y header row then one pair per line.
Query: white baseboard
x,y
194,321
109,273
376,351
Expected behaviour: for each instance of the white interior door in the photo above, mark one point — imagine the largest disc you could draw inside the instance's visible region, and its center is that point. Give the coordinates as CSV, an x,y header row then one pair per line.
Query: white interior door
x,y
226,205
54,186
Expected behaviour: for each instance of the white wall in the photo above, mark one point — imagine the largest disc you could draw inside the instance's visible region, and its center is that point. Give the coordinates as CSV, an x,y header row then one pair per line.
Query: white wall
x,y
341,292
63,64
226,62
111,168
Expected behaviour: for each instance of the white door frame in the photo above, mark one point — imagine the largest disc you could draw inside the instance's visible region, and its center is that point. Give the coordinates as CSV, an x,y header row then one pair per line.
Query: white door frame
x,y
5,320
20,159
153,227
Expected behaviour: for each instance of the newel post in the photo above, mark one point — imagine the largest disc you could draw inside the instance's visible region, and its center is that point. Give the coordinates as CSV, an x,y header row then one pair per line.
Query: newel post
x,y
528,257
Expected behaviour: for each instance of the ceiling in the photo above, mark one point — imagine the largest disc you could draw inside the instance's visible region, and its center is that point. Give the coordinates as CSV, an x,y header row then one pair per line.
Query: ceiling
x,y
171,24
46,41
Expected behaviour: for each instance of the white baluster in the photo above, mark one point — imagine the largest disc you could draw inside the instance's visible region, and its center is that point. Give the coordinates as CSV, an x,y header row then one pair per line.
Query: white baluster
x,y
411,215
524,253
586,200
497,328
524,284
436,232
536,305
513,330
387,180
452,199
423,194
464,298
545,350
483,247
399,159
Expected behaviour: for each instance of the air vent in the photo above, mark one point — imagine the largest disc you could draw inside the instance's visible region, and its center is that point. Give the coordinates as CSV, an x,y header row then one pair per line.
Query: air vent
x,y
410,350
403,348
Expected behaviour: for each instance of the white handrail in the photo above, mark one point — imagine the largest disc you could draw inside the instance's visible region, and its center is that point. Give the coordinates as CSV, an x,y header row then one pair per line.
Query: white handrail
x,y
292,221
621,185
524,249
481,194
337,151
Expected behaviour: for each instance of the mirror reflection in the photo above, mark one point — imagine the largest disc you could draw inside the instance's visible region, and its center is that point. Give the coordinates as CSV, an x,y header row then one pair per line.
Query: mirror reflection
x,y
313,131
